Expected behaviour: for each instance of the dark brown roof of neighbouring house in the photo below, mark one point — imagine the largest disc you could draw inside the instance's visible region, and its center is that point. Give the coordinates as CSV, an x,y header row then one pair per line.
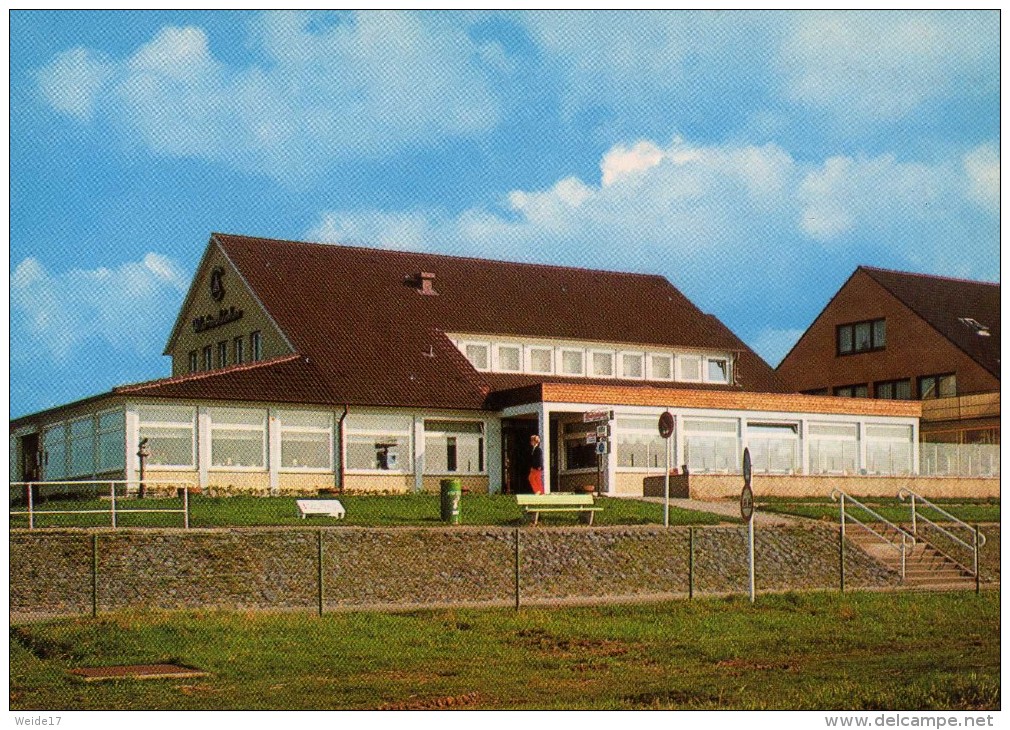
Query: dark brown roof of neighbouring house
x,y
944,302
357,314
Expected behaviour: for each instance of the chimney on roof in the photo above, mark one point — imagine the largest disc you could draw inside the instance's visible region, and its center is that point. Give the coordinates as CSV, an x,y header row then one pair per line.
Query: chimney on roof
x,y
423,282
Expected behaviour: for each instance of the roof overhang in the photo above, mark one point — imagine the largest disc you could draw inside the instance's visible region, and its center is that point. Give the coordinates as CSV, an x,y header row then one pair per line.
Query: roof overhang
x,y
710,399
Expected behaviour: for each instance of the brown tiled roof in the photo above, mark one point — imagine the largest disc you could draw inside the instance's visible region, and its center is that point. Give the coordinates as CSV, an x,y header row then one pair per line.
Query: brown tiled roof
x,y
376,341
943,302
288,379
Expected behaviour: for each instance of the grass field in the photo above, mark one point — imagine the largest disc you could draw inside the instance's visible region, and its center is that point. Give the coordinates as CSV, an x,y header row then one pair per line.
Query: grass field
x,y
380,510
791,651
968,510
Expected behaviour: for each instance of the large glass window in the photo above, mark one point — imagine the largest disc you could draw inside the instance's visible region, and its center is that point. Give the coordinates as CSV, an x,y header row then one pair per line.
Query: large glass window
x,y
937,386
889,449
774,447
82,447
578,453
712,445
718,370
453,447
306,440
639,444
833,448
853,391
510,358
602,364
237,438
893,390
111,441
632,365
170,435
862,336
379,443
690,368
54,443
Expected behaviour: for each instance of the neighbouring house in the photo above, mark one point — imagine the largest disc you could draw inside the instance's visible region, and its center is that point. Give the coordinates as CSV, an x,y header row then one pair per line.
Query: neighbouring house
x,y
300,366
891,335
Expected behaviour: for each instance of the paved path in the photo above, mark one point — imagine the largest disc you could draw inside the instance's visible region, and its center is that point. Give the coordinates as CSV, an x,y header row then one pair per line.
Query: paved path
x,y
726,508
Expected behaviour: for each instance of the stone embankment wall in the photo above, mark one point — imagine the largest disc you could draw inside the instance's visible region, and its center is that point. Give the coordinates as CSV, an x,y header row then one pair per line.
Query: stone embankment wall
x,y
75,571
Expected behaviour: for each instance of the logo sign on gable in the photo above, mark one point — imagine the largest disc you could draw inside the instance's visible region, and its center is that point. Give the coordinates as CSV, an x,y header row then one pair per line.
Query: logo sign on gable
x,y
217,283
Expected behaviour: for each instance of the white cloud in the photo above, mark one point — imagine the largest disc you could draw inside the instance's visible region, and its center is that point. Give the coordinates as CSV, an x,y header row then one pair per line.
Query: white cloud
x,y
730,222
52,315
880,66
73,80
368,85
982,167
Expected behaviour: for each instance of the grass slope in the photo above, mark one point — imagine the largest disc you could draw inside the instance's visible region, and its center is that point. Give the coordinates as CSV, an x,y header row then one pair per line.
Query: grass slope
x,y
791,651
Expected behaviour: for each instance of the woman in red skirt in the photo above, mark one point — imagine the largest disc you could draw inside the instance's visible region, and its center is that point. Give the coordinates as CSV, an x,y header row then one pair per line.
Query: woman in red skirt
x,y
536,465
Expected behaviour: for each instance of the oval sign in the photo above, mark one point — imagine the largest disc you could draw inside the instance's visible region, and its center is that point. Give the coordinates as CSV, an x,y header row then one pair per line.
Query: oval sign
x,y
746,503
666,425
746,467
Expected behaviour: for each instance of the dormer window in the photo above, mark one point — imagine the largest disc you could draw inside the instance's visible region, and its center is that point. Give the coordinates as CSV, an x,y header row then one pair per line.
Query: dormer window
x,y
977,327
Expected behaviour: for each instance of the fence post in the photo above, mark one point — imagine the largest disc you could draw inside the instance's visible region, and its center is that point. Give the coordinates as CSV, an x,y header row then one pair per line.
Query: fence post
x,y
841,545
517,568
113,502
94,575
185,506
690,563
31,513
319,568
978,577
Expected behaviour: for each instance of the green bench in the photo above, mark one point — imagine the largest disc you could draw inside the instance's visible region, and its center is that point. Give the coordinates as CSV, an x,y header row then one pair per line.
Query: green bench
x,y
536,503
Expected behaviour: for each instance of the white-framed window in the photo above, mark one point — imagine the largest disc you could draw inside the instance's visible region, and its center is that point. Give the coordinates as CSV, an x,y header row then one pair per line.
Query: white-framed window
x,y
833,448
238,439
208,362
81,433
639,445
111,441
889,449
170,434
306,440
479,354
712,445
689,368
238,350
632,365
578,453
192,361
601,363
774,447
379,443
717,369
660,366
540,360
255,346
573,362
453,447
509,358
54,452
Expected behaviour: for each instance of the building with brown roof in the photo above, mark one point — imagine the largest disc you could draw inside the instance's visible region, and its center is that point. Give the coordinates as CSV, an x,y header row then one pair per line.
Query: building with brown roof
x,y
299,366
893,335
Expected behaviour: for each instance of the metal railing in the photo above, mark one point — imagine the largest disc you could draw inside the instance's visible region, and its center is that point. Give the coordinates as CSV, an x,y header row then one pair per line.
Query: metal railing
x,y
978,538
115,508
837,495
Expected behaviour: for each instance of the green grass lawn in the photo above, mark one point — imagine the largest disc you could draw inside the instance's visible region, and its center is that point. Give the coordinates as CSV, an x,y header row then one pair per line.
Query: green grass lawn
x,y
379,510
818,508
894,651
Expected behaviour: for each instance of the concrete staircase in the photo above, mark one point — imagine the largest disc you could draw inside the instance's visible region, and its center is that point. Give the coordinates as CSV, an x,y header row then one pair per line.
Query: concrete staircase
x,y
925,566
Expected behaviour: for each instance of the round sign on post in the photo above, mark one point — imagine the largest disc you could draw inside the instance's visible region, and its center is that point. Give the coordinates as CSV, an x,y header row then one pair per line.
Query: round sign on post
x,y
746,503
666,425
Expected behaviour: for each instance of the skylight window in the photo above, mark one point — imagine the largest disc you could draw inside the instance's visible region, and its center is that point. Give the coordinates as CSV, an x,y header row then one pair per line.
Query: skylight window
x,y
980,329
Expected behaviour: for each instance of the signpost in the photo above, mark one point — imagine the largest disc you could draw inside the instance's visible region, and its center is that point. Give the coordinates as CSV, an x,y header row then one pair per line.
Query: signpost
x,y
601,438
747,513
666,430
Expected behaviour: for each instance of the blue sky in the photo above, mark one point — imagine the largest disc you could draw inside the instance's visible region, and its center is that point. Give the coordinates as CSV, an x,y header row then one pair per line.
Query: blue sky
x,y
754,159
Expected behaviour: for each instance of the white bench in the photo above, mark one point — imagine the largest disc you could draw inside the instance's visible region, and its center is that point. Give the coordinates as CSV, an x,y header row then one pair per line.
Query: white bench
x,y
330,507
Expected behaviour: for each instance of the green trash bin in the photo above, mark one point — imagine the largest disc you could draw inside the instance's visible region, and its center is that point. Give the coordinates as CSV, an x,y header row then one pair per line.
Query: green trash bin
x,y
452,492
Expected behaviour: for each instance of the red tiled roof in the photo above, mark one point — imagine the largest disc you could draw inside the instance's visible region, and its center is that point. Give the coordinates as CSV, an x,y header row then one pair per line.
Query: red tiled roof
x,y
943,302
376,341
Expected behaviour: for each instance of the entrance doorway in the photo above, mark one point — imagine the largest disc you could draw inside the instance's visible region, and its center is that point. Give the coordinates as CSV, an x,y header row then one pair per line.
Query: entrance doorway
x,y
515,448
